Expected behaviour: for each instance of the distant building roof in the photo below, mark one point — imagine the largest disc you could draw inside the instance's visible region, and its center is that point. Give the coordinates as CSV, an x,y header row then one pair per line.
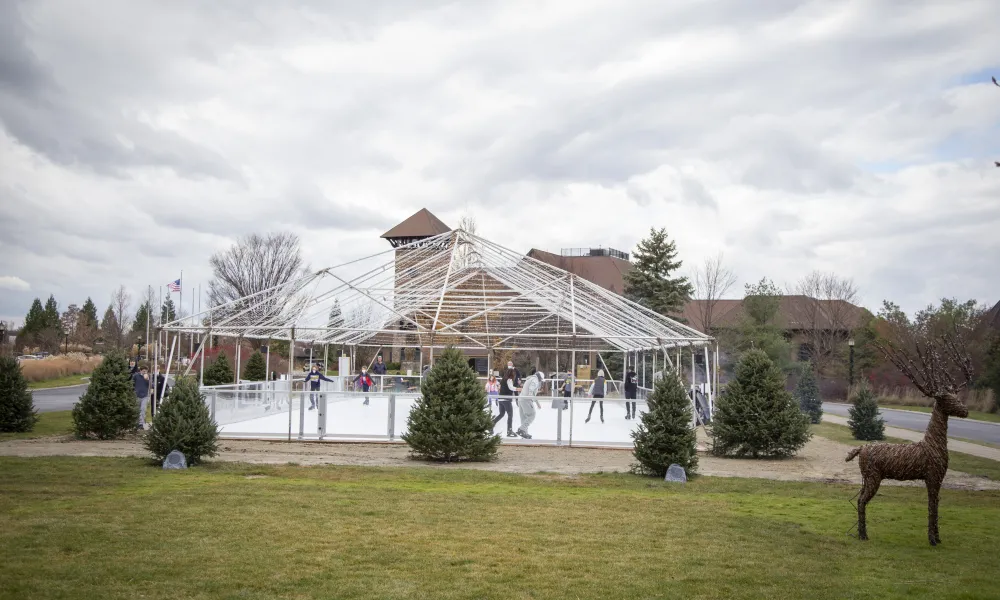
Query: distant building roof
x,y
420,224
605,271
993,317
795,312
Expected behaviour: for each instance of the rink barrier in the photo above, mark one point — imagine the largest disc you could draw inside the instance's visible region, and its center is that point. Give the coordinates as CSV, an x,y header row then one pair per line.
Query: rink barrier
x,y
248,403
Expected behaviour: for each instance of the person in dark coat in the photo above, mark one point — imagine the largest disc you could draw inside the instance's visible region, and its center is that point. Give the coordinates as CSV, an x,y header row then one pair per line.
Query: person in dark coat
x,y
140,381
597,393
379,369
313,377
631,391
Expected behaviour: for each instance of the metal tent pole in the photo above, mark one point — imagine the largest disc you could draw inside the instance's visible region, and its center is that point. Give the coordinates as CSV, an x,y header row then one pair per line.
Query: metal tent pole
x,y
572,392
694,395
201,368
239,357
708,380
291,368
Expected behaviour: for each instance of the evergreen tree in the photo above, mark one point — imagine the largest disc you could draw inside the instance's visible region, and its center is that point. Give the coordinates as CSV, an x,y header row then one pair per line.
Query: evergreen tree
x,y
807,393
759,328
865,421
90,311
109,408
219,372
110,330
755,416
256,367
665,435
167,312
17,412
141,316
450,421
183,423
34,324
650,280
51,313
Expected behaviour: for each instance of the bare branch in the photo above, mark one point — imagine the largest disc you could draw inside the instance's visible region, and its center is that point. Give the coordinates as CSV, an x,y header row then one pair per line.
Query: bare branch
x,y
712,280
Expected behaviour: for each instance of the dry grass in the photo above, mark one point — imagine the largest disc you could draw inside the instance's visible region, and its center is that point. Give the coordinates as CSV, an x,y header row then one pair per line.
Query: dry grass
x,y
55,367
976,400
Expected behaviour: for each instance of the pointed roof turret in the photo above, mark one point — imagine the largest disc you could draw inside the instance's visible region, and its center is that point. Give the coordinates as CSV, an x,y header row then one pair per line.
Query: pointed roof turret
x,y
421,224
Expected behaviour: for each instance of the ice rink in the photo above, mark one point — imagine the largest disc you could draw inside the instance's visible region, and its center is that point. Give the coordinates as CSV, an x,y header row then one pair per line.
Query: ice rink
x,y
267,415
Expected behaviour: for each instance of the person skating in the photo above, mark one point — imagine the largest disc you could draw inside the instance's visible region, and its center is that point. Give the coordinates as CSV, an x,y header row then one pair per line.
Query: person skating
x,y
365,382
597,393
314,377
631,390
527,403
492,392
567,389
509,386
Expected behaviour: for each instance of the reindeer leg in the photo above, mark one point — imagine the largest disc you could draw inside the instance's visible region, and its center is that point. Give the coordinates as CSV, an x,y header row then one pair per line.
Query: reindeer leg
x,y
933,491
869,488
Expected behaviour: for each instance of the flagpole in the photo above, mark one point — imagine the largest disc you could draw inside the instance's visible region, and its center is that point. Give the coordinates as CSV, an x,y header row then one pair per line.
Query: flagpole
x,y
191,336
180,311
149,309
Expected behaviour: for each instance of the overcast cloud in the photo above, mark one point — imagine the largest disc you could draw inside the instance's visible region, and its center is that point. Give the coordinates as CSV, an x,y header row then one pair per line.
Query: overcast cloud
x,y
139,137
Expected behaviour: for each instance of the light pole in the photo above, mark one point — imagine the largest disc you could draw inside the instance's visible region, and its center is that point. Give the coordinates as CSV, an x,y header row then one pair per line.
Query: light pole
x,y
850,372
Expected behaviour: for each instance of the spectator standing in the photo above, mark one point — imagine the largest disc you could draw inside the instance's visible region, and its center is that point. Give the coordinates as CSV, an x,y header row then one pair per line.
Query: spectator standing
x,y
379,369
140,380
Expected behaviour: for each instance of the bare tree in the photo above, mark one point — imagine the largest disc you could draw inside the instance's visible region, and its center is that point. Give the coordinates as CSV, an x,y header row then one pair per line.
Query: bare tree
x,y
70,318
465,254
253,264
121,306
826,314
938,350
712,281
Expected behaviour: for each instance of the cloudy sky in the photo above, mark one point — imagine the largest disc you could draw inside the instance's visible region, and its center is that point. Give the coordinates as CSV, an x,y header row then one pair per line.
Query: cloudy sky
x,y
139,137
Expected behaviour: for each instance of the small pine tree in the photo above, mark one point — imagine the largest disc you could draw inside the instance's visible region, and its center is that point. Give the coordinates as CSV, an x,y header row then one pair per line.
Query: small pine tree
x,y
665,435
256,369
219,372
183,423
865,421
109,407
450,421
17,411
755,416
807,393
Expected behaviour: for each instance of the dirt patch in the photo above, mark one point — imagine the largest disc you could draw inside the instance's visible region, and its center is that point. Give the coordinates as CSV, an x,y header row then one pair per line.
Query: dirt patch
x,y
821,460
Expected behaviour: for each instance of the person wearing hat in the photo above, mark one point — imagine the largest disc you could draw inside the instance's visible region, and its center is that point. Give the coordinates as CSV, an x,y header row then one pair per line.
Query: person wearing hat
x,y
527,402
510,383
597,393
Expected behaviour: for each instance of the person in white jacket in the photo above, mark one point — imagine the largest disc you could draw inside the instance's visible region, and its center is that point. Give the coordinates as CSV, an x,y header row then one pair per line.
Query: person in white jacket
x,y
527,402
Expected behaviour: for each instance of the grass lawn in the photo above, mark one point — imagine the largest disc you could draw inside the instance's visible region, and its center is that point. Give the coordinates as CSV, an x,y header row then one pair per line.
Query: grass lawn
x,y
119,528
58,382
967,463
973,414
49,423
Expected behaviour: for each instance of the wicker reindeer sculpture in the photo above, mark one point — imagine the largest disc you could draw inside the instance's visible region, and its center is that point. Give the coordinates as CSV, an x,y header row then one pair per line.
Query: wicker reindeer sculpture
x,y
934,351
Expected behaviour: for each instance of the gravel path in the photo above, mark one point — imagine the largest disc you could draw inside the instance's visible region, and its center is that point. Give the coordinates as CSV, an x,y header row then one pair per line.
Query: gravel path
x,y
820,460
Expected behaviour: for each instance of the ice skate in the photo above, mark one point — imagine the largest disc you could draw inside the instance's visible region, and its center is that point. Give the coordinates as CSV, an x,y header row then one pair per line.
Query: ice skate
x,y
523,434
511,433
602,418
366,402
587,420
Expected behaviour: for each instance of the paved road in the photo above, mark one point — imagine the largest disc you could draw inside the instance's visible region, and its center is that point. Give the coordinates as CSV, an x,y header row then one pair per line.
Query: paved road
x,y
57,399
959,428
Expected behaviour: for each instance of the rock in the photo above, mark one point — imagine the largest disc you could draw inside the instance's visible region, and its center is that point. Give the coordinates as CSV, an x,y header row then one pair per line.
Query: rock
x,y
676,473
175,460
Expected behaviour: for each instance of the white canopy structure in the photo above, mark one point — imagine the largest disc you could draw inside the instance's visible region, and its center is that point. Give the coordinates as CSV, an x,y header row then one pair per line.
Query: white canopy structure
x,y
453,289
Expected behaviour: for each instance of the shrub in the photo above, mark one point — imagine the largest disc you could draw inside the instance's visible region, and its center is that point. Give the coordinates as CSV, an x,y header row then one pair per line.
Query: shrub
x,y
183,423
807,393
665,435
755,416
219,372
865,421
109,408
256,368
450,421
17,411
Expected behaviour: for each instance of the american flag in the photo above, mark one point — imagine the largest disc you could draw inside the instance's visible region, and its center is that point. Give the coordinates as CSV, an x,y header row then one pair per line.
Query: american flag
x,y
174,286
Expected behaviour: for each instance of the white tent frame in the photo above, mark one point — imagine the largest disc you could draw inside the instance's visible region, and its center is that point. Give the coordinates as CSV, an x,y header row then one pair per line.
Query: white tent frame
x,y
454,289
